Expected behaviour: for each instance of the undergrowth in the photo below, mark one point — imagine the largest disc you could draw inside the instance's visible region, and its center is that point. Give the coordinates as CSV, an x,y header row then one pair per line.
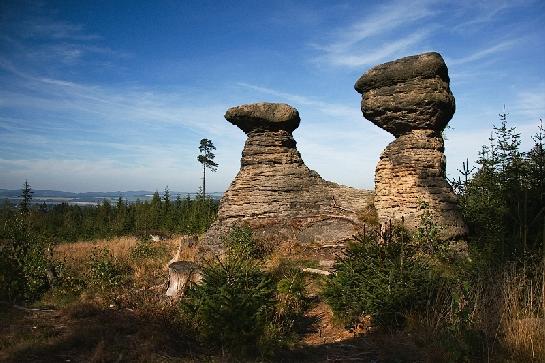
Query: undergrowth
x,y
455,306
242,309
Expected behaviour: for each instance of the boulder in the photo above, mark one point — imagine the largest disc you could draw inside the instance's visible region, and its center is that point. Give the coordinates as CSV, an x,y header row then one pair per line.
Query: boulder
x,y
408,94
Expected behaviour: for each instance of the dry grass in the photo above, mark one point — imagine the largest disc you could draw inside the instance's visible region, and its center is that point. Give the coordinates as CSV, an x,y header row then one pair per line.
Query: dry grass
x,y
120,247
505,321
522,325
133,322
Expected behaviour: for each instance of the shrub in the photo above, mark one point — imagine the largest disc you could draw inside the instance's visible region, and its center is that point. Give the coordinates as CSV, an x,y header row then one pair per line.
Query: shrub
x,y
240,308
24,265
291,301
105,270
146,248
233,306
384,280
70,281
241,245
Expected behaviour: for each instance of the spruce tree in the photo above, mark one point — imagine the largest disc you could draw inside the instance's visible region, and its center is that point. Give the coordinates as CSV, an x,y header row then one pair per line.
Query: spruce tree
x,y
26,198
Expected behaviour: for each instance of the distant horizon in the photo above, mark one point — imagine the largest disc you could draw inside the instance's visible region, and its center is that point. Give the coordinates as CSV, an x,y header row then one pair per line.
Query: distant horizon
x,y
109,191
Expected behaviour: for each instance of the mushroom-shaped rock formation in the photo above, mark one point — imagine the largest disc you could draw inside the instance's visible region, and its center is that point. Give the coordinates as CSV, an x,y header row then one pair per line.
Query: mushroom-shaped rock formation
x,y
411,99
275,193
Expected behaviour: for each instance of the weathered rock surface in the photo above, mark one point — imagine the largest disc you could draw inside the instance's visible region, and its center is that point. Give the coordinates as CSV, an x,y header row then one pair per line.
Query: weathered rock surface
x,y
275,193
408,94
411,99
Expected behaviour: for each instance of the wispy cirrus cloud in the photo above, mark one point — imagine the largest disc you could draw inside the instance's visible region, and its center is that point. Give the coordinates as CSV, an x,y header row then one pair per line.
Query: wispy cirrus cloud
x,y
486,52
395,29
530,102
132,104
481,13
41,27
385,19
135,134
374,38
328,108
390,50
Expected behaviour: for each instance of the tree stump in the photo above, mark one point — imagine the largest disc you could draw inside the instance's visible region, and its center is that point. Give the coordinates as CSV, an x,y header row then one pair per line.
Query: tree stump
x,y
180,275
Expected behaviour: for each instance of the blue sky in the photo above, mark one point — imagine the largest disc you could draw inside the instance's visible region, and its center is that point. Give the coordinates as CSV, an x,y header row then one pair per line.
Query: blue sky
x,y
115,95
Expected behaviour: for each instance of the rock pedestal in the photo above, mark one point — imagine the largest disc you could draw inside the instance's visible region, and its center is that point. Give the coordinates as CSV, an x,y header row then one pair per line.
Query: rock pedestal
x,y
275,193
411,99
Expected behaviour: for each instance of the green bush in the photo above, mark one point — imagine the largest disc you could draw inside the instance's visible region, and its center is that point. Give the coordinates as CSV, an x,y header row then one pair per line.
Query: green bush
x,y
70,281
146,248
241,245
239,307
291,302
384,280
105,270
233,307
24,263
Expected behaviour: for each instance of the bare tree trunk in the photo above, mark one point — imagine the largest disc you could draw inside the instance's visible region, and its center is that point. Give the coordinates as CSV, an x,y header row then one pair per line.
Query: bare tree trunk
x,y
204,180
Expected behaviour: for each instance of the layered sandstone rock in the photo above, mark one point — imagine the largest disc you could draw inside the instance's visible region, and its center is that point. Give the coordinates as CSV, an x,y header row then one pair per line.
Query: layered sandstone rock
x,y
275,193
411,99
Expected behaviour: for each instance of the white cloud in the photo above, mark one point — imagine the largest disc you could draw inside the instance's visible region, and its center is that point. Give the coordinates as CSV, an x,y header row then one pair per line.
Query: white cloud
x,y
356,45
485,52
386,18
391,49
531,102
102,114
478,14
41,27
331,109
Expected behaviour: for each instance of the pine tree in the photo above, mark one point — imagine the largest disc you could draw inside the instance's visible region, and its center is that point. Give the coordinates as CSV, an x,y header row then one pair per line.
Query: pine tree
x,y
206,158
121,216
166,201
536,181
504,200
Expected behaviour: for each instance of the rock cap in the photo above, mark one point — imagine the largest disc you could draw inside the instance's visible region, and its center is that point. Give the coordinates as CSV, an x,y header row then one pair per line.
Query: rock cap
x,y
424,66
264,116
407,94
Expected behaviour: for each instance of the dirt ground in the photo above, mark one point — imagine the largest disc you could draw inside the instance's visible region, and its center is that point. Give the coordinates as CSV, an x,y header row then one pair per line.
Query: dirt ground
x,y
89,333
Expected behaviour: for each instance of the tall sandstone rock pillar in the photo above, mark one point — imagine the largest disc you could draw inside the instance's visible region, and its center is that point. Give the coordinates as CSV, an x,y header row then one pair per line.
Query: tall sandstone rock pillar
x,y
411,99
275,193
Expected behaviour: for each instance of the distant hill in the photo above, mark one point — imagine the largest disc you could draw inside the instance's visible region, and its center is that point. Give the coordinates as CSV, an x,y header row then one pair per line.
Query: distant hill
x,y
83,198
